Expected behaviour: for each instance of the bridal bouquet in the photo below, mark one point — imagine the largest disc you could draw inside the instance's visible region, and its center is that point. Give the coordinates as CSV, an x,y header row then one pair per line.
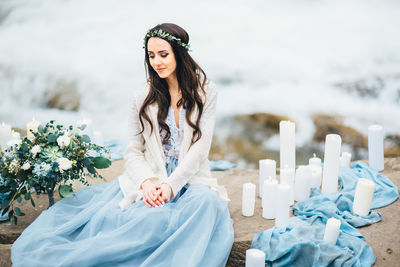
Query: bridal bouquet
x,y
53,155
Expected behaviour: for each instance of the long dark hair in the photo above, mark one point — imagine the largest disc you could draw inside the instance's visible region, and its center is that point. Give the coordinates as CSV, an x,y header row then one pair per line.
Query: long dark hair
x,y
190,77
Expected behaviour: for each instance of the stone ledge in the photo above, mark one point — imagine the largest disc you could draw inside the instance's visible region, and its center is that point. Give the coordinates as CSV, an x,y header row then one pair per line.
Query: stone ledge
x,y
385,246
5,259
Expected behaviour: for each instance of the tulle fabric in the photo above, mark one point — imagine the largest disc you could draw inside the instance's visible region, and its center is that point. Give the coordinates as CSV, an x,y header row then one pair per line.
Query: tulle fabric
x,y
89,229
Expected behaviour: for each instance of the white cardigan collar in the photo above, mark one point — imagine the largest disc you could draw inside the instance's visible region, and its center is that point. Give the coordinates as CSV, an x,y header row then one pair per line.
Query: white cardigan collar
x,y
154,140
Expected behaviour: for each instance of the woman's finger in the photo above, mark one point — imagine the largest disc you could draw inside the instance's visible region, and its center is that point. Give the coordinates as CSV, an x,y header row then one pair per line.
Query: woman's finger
x,y
157,197
145,201
164,197
161,200
150,199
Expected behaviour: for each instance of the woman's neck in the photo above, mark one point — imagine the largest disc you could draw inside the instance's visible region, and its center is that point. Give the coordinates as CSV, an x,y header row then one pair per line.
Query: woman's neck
x,y
173,85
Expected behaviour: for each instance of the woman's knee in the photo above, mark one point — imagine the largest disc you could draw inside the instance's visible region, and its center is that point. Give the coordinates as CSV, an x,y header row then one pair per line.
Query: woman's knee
x,y
202,195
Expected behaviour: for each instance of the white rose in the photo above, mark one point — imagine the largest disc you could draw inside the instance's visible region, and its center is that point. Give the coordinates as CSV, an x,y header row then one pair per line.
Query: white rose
x,y
64,164
36,149
14,166
63,141
26,166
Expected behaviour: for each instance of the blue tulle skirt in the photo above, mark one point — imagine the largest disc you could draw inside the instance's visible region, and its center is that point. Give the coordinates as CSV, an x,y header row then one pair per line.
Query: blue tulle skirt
x,y
89,229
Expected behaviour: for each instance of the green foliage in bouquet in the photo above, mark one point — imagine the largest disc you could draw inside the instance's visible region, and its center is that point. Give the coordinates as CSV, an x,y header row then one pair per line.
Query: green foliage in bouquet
x,y
56,155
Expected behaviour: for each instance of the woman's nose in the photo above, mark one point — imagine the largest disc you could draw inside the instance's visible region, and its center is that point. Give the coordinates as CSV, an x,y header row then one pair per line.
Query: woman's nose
x,y
156,60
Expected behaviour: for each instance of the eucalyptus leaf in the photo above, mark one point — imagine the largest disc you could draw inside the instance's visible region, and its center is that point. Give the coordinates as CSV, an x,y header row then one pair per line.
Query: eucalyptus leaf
x,y
27,196
52,138
33,203
24,147
18,212
13,220
19,199
88,162
85,138
65,191
40,129
83,127
5,203
91,169
101,163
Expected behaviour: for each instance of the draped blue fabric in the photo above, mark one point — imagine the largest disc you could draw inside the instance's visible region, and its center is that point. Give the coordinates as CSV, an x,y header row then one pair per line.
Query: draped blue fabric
x,y
301,243
89,229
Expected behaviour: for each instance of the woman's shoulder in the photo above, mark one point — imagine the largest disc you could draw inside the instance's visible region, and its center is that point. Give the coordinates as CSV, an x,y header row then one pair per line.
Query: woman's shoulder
x,y
210,90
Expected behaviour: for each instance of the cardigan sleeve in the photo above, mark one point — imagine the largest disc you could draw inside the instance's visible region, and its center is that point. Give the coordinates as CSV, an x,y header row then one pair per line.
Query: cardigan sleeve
x,y
136,165
198,152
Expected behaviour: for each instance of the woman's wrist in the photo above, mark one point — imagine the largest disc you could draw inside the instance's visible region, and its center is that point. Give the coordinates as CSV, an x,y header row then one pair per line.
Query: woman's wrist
x,y
147,182
169,187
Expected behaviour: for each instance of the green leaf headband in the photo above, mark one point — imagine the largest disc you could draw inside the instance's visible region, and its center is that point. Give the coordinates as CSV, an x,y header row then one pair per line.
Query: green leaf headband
x,y
165,35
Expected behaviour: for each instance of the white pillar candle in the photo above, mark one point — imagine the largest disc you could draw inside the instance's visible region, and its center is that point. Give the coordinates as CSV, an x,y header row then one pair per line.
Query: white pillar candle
x,y
363,196
316,177
314,162
345,159
15,135
375,147
269,198
255,258
287,139
32,125
98,138
302,183
5,135
330,173
12,143
248,199
282,206
267,168
287,178
332,230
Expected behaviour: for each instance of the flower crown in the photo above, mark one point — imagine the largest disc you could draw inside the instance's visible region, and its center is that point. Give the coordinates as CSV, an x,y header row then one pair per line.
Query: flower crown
x,y
165,35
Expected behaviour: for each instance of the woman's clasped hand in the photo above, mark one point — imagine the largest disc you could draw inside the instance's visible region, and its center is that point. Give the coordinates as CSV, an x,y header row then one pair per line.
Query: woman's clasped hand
x,y
155,195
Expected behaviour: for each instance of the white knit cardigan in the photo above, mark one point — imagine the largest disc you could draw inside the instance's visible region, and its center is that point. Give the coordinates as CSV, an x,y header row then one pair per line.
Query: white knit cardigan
x,y
144,157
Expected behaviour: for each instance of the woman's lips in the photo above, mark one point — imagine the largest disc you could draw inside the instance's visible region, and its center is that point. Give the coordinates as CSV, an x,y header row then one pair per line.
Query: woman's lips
x,y
159,70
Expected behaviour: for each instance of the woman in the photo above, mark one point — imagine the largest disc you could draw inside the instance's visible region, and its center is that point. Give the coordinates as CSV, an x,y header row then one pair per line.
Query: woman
x,y
182,218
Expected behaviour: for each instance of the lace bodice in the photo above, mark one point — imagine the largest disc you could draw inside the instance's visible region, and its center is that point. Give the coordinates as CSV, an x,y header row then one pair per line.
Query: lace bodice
x,y
172,148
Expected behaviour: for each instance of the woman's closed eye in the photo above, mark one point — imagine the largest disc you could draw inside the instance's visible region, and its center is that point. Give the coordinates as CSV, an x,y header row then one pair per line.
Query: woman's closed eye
x,y
162,55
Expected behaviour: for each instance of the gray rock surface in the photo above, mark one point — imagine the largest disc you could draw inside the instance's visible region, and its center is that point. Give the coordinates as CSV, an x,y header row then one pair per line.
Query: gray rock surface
x,y
63,96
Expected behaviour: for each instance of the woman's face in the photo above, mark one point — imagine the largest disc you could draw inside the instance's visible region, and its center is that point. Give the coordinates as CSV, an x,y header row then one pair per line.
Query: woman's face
x,y
161,57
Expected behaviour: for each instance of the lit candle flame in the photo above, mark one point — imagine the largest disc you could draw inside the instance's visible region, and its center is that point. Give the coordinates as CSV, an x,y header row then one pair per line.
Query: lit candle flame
x,y
315,155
